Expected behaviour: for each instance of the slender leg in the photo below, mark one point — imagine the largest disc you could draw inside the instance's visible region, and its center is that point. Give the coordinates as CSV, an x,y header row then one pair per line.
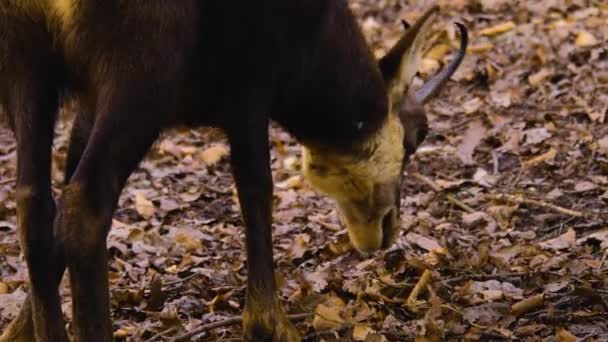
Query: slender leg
x,y
120,137
21,328
263,318
32,106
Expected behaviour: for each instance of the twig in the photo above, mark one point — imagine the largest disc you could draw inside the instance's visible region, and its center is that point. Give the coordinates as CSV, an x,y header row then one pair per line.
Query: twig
x,y
420,285
482,277
7,181
438,189
226,322
542,204
160,334
182,279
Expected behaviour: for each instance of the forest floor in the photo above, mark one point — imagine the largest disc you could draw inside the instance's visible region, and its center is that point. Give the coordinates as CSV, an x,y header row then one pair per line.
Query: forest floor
x,y
505,208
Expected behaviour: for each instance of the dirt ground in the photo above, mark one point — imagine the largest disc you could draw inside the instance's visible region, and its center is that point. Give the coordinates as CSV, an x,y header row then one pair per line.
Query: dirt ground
x,y
505,207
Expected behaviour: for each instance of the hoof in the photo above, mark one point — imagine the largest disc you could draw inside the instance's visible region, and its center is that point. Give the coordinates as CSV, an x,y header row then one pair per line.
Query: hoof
x,y
21,329
269,326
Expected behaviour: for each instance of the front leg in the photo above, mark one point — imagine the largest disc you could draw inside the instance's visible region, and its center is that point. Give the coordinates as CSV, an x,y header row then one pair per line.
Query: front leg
x,y
263,318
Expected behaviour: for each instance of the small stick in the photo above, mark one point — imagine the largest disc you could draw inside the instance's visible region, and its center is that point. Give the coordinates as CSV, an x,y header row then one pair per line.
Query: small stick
x,y
7,181
226,322
420,285
542,204
160,334
194,275
528,304
438,189
482,277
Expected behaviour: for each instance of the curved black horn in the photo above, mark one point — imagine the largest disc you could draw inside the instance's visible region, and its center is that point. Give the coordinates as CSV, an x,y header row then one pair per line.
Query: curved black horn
x,y
430,89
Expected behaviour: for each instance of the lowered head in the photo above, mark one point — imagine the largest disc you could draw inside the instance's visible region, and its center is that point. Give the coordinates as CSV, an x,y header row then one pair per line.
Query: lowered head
x,y
365,178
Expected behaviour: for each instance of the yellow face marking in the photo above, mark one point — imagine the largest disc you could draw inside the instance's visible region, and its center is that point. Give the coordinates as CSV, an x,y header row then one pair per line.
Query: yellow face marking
x,y
348,178
355,181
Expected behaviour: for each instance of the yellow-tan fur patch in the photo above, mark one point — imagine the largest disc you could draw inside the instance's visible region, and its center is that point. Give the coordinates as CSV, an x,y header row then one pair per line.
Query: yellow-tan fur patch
x,y
348,178
63,11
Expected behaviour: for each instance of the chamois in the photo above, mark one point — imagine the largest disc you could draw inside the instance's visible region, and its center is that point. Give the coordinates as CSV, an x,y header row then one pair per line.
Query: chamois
x,y
137,67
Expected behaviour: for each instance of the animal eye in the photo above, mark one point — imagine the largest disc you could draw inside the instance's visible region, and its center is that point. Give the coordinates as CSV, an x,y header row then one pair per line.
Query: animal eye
x,y
359,125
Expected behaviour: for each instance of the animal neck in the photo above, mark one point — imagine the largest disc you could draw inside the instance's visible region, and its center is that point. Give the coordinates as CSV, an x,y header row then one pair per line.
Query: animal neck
x,y
330,91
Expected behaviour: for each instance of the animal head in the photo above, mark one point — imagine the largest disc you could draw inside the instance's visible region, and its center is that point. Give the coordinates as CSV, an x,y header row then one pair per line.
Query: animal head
x,y
365,178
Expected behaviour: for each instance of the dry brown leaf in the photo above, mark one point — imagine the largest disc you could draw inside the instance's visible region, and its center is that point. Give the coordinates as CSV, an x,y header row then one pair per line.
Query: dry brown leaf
x,y
121,333
429,66
189,242
361,331
473,105
424,242
540,76
328,315
603,145
293,182
11,302
214,154
143,206
586,39
564,335
299,246
4,289
486,314
564,241
473,136
438,51
601,236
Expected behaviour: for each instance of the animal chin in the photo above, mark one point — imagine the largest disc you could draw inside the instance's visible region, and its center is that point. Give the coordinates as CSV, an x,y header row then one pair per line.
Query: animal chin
x,y
367,237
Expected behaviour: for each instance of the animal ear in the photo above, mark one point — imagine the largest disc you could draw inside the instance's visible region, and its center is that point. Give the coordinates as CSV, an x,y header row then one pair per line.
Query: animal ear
x,y
401,63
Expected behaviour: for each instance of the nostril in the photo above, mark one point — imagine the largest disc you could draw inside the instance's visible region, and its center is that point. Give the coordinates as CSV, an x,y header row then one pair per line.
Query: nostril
x,y
387,228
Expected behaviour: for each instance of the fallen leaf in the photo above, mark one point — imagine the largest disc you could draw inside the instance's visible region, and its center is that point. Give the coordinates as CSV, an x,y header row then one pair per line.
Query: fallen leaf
x,y
600,236
11,303
292,182
189,242
212,155
564,241
584,186
473,136
586,39
536,135
361,331
143,206
327,315
564,335
529,330
299,246
486,314
603,145
424,242
4,289
540,76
